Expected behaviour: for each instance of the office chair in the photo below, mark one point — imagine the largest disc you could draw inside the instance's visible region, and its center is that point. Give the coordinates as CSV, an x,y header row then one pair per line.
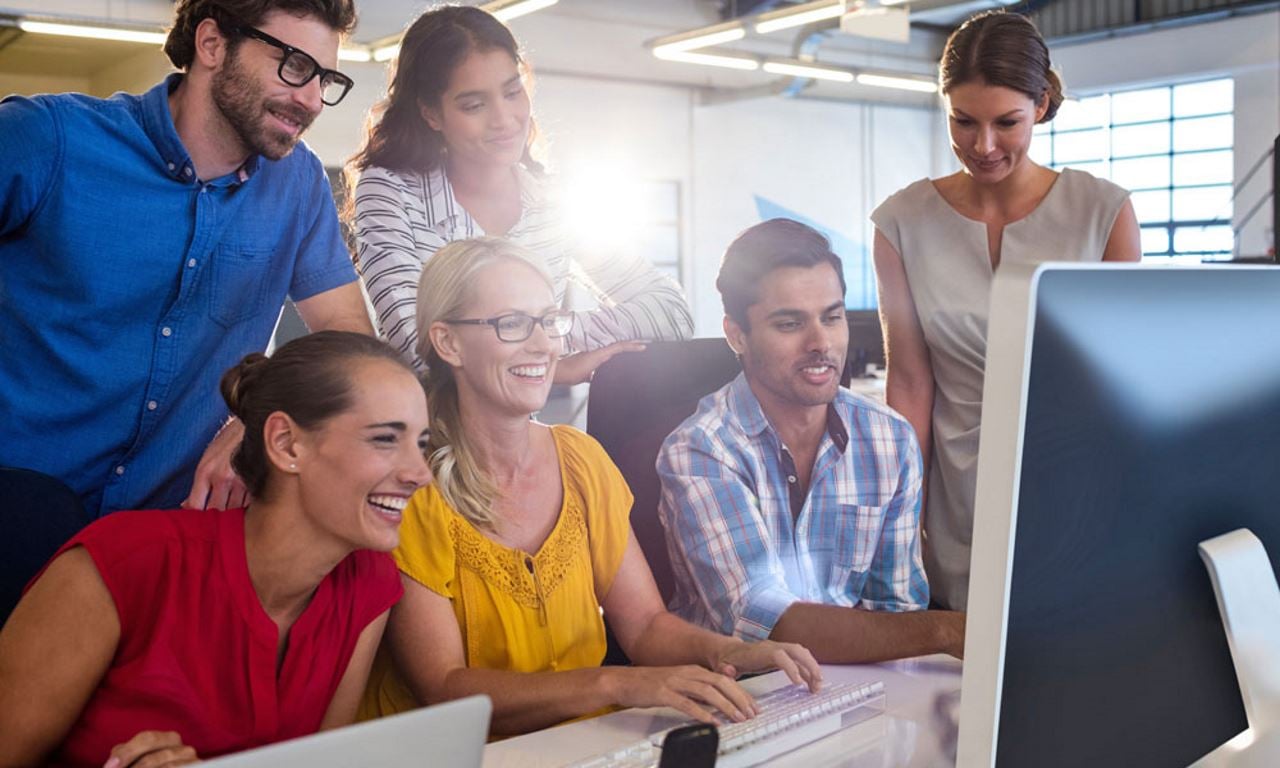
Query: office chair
x,y
38,514
636,400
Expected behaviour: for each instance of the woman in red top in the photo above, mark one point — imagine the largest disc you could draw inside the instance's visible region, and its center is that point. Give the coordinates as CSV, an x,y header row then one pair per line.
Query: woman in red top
x,y
154,637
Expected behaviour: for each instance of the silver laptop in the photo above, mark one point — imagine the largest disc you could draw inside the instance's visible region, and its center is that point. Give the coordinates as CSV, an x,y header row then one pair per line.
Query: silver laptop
x,y
450,735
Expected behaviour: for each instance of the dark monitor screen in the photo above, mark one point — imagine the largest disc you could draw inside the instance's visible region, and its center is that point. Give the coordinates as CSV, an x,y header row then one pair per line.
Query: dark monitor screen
x,y
1152,423
866,342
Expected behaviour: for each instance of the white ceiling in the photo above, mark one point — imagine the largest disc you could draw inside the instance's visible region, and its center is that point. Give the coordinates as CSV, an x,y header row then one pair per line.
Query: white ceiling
x,y
592,38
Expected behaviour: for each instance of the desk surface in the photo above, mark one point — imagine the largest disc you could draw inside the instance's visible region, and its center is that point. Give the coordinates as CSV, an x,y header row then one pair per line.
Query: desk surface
x,y
922,704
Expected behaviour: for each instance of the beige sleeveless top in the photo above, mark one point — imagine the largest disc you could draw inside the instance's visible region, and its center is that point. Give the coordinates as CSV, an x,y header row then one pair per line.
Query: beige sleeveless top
x,y
949,274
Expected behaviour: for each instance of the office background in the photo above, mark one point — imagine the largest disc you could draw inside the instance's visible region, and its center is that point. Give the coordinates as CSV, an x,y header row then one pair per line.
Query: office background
x,y
675,158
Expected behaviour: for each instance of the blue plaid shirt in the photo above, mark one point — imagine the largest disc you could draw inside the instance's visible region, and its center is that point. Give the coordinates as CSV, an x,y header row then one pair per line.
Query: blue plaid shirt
x,y
741,557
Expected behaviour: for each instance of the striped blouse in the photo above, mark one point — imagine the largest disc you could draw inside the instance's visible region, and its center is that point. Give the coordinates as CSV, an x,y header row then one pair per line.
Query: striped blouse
x,y
402,218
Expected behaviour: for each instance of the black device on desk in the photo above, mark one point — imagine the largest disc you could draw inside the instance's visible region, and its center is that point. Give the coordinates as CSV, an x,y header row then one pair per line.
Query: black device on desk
x,y
693,746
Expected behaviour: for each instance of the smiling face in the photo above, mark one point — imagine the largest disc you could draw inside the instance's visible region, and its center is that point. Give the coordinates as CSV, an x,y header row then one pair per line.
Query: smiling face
x,y
991,129
483,115
794,352
268,115
357,470
511,378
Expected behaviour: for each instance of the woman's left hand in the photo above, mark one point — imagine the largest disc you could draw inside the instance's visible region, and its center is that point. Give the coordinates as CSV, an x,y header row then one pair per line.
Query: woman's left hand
x,y
580,367
794,659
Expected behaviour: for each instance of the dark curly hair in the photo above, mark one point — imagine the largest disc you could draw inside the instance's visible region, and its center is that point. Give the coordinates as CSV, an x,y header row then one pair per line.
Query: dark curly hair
x,y
180,46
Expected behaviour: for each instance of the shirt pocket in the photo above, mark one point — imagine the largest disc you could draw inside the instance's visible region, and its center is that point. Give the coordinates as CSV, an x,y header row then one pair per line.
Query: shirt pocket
x,y
857,539
239,279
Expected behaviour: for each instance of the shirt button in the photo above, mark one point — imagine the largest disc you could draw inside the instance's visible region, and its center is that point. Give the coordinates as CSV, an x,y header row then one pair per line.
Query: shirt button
x,y
171,166
791,478
166,331
186,172
152,405
191,262
120,470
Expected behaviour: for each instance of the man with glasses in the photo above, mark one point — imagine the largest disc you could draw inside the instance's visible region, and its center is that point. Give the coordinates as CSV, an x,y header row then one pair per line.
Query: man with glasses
x,y
147,243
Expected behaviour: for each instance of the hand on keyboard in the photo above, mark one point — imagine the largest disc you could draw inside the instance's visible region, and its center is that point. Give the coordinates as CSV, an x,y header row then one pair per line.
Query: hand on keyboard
x,y
795,660
692,689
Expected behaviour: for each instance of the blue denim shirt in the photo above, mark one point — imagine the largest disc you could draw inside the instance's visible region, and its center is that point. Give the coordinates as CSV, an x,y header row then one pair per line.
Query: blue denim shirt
x,y
128,285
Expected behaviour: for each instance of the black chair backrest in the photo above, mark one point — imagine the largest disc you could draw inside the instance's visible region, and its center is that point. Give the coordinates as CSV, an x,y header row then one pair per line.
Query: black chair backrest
x,y
38,514
636,400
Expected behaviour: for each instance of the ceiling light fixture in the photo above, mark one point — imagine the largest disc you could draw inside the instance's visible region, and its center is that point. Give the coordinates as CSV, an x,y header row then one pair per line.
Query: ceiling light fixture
x,y
799,15
919,85
807,69
96,32
702,37
506,11
708,59
359,53
386,52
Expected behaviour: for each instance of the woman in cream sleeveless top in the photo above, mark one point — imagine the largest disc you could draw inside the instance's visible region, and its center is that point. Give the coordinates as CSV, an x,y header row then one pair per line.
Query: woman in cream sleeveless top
x,y
939,243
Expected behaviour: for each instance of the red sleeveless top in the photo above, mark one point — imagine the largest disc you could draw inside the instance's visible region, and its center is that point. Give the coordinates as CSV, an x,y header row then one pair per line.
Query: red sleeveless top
x,y
197,652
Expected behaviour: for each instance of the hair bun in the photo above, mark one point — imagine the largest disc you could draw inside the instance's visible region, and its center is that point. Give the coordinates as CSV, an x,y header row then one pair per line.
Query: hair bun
x,y
238,381
1054,91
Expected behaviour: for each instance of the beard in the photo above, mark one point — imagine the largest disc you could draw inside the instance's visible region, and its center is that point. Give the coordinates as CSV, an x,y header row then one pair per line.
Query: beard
x,y
238,96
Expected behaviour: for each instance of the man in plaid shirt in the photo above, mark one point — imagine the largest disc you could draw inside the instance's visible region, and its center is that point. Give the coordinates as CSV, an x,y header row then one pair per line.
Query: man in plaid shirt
x,y
791,505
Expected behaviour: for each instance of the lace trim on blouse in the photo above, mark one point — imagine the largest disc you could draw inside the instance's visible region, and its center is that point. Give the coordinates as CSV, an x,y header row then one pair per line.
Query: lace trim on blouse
x,y
505,570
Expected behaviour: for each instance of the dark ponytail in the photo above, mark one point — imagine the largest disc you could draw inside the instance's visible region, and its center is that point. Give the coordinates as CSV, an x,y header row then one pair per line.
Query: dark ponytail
x,y
308,379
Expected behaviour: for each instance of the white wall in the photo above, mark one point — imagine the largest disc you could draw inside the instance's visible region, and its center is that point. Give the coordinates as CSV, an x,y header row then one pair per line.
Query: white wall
x,y
1246,48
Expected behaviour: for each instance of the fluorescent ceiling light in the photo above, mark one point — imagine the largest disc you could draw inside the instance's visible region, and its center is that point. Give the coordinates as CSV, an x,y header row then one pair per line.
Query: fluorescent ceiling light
x,y
386,52
508,11
808,70
901,83
798,15
894,2
355,54
702,37
708,59
123,34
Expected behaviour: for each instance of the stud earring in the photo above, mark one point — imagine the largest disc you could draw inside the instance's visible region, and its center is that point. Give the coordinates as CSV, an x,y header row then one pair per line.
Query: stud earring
x,y
293,466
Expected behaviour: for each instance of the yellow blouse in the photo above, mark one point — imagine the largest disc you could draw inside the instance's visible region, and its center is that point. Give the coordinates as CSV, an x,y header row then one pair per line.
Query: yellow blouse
x,y
518,612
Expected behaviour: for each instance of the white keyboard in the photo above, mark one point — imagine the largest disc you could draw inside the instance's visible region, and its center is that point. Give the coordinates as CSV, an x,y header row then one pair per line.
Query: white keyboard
x,y
789,718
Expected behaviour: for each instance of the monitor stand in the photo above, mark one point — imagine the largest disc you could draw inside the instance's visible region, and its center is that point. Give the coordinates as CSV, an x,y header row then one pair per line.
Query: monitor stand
x,y
1249,601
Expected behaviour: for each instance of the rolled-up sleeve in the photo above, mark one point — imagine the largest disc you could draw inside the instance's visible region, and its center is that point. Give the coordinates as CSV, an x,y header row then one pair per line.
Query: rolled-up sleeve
x,y
714,528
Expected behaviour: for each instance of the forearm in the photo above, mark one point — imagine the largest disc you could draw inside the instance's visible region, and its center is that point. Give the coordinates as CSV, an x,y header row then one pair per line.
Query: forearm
x,y
914,400
840,635
637,303
529,701
669,640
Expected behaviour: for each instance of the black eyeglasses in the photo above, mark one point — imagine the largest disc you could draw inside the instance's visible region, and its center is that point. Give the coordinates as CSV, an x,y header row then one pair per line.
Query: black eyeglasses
x,y
518,326
297,68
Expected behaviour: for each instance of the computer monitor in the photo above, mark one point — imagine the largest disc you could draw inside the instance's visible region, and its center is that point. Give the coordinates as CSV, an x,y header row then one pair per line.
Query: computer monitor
x,y
866,342
1129,413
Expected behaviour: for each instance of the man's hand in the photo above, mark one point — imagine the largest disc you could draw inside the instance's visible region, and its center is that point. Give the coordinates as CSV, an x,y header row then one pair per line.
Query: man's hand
x,y
216,484
578,368
740,657
152,749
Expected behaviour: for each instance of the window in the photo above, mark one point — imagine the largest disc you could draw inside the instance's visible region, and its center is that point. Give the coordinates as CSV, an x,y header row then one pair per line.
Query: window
x,y
1171,147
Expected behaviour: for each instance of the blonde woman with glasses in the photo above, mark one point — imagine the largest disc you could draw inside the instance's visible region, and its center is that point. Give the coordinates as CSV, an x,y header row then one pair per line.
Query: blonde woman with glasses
x,y
513,559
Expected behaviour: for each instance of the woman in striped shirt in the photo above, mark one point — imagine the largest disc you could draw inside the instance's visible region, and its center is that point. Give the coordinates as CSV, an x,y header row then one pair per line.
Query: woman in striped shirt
x,y
447,157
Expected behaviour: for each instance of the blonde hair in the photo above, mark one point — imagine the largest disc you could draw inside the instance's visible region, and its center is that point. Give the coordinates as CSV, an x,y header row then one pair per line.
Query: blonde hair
x,y
443,292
